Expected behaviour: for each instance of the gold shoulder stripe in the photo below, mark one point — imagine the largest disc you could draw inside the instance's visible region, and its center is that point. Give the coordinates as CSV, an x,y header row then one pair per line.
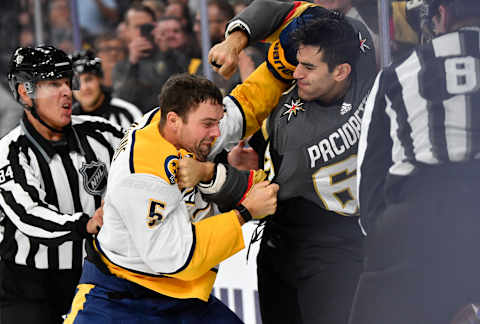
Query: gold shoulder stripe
x,y
152,154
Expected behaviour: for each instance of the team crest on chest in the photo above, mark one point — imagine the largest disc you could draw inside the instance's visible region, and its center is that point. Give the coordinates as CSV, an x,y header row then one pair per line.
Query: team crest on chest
x,y
292,108
94,177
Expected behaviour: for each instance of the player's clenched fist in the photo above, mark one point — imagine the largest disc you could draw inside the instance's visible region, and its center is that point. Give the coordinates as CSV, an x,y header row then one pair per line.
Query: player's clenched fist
x,y
261,201
224,56
190,172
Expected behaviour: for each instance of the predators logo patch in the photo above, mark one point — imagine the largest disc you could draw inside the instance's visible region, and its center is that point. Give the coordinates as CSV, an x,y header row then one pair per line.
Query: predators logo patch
x,y
94,177
171,163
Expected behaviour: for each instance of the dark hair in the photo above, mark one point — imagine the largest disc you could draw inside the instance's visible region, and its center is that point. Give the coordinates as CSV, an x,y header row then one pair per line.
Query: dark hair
x,y
183,92
137,6
165,18
333,35
188,17
460,9
224,7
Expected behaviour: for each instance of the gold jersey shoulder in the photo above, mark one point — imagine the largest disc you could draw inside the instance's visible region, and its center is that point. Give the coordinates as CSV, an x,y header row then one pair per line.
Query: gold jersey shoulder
x,y
152,154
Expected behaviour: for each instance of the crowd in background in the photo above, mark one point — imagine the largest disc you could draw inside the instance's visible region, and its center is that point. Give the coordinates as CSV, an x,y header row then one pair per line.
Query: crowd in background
x,y
136,65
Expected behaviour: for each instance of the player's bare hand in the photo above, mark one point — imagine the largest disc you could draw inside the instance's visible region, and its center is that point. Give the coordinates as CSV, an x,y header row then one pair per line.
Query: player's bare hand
x,y
261,201
96,222
224,56
190,172
243,158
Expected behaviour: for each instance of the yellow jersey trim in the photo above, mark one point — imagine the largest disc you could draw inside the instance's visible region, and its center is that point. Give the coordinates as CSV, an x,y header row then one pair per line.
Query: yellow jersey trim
x,y
197,278
78,302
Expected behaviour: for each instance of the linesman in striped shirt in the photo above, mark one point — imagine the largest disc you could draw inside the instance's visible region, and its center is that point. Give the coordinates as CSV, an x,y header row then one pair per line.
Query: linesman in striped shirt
x,y
53,172
419,163
93,99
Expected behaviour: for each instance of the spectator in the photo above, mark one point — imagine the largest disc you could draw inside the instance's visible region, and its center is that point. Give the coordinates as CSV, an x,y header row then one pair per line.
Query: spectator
x,y
60,26
219,13
183,14
170,36
181,11
140,77
97,16
157,6
110,49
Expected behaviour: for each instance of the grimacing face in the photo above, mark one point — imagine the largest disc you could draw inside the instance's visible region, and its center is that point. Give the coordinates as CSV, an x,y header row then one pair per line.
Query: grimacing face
x,y
314,81
200,128
54,102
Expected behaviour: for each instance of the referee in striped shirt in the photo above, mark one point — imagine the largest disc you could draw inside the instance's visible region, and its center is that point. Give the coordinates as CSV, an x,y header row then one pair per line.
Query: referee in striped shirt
x,y
53,170
419,171
95,100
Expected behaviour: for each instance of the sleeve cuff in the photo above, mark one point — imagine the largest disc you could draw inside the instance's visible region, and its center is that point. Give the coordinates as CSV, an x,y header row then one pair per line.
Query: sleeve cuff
x,y
217,182
237,25
81,226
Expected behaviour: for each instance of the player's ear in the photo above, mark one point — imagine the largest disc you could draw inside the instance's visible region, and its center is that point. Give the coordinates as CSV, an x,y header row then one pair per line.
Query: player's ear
x,y
341,72
173,119
24,97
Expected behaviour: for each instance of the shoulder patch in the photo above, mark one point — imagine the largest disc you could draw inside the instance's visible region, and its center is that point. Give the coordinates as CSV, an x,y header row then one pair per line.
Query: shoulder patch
x,y
171,163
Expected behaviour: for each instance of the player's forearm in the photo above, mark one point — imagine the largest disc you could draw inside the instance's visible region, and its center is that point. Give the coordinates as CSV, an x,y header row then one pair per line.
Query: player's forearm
x,y
262,17
258,96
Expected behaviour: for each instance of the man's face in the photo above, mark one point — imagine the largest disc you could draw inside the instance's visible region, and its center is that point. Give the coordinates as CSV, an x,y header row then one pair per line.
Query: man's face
x,y
314,81
134,20
176,10
54,102
200,129
90,91
216,25
169,34
111,51
59,13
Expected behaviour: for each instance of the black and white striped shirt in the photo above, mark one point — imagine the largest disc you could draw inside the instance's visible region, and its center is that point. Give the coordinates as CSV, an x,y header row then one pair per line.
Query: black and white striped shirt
x,y
48,191
116,110
422,111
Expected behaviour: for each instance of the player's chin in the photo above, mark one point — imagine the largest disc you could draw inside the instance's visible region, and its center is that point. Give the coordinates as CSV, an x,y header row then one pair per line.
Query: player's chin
x,y
305,95
202,152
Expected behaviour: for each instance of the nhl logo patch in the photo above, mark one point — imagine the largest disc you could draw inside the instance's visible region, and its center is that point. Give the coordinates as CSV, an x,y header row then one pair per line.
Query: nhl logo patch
x,y
94,177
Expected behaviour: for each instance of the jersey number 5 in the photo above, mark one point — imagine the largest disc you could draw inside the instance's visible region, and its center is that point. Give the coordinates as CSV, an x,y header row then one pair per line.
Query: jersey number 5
x,y
155,216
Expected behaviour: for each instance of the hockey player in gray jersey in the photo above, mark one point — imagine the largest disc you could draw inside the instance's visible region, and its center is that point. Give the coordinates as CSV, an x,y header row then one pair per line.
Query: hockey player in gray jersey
x,y
311,252
419,176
